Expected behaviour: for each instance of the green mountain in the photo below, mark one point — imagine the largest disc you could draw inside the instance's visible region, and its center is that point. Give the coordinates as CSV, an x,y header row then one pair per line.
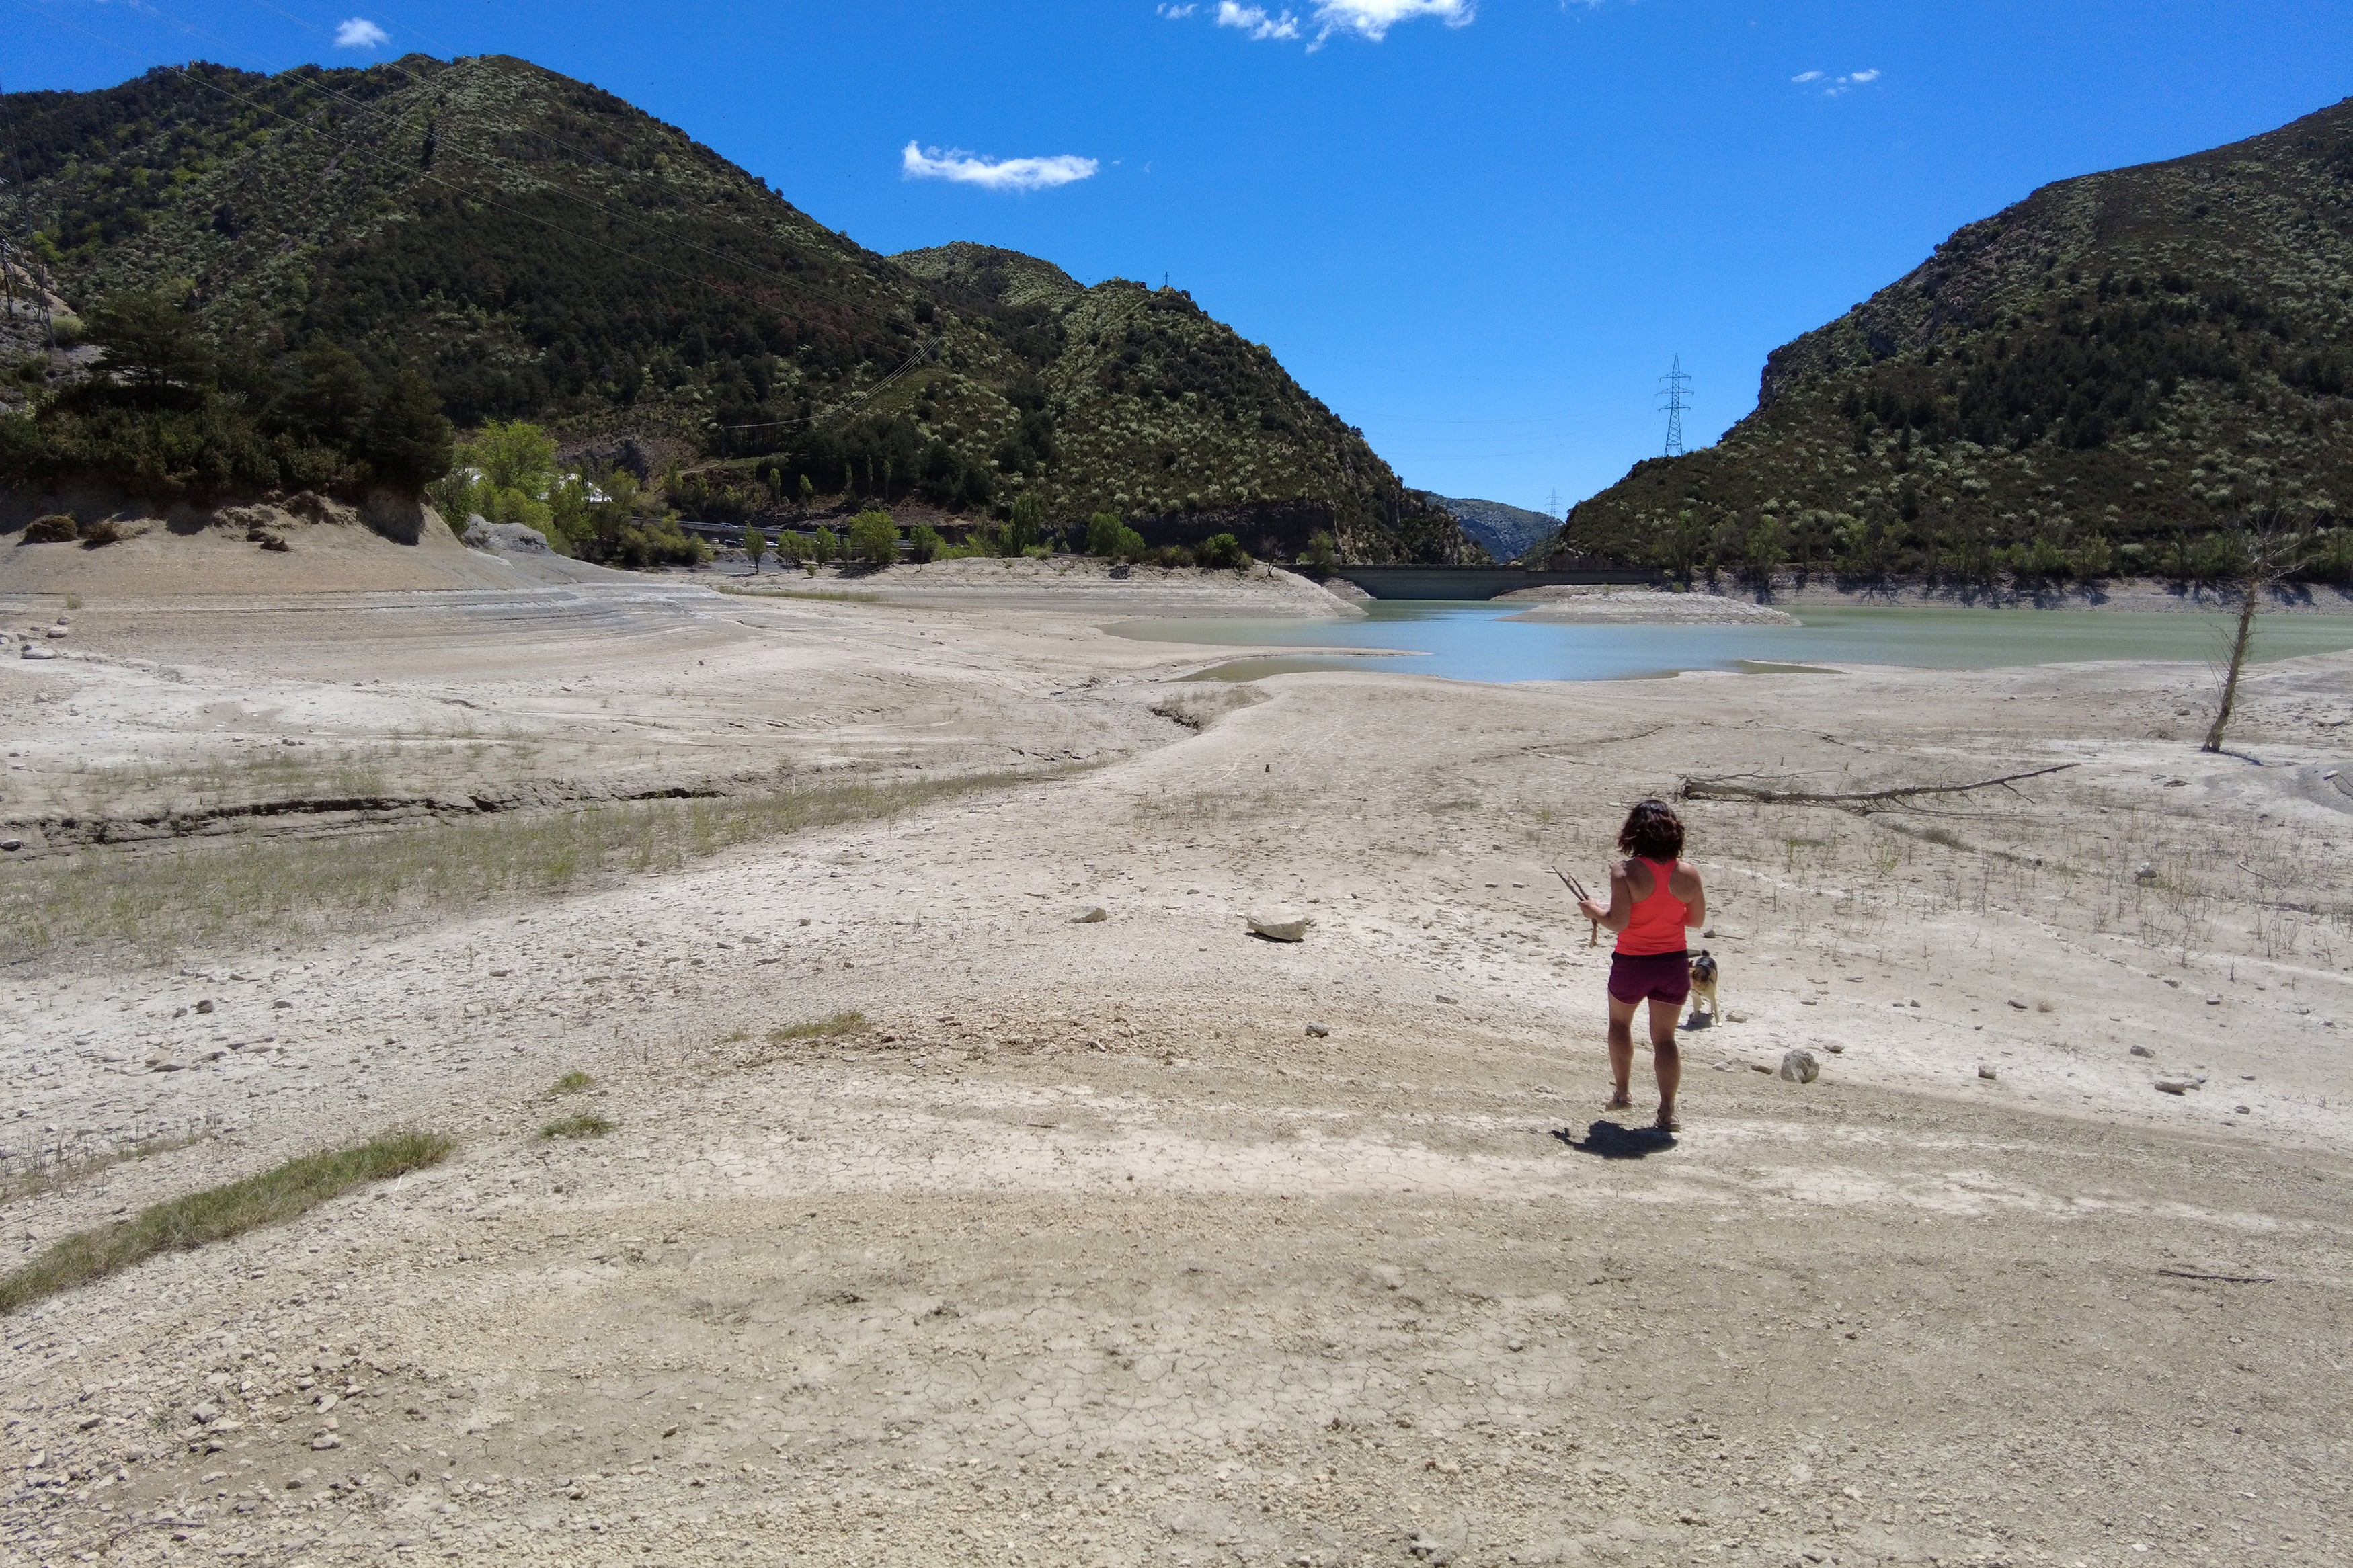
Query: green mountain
x,y
1500,529
2102,378
533,248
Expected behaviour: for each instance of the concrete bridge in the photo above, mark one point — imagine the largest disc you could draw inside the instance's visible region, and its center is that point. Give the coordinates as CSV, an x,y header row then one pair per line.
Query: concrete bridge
x,y
1477,582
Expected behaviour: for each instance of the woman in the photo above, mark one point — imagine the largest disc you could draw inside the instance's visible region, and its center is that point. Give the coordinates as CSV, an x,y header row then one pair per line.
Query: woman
x,y
1654,896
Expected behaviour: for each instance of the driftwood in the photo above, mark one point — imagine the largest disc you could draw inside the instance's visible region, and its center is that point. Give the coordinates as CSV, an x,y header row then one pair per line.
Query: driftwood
x,y
1861,800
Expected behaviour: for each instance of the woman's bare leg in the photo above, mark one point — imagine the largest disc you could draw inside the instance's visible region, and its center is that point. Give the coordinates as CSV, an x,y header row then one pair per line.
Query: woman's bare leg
x,y
1621,1052
1666,1057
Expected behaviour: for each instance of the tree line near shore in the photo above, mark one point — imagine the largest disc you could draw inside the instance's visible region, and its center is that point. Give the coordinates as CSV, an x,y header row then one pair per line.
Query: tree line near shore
x,y
509,472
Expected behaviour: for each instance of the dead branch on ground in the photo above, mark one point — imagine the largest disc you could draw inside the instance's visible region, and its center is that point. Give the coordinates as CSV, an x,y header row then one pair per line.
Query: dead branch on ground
x,y
1859,800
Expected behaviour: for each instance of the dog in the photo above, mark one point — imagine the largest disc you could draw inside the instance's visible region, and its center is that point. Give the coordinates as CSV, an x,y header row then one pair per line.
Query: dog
x,y
1703,987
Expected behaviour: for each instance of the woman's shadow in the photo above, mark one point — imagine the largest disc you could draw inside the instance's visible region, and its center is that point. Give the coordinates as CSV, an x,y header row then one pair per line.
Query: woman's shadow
x,y
1611,1140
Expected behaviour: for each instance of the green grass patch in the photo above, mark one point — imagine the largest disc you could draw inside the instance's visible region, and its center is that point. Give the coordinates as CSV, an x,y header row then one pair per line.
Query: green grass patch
x,y
570,1083
588,1125
824,1028
216,1213
164,901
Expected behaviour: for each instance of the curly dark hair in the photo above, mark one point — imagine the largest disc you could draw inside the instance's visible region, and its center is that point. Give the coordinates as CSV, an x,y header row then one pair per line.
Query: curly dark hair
x,y
1652,832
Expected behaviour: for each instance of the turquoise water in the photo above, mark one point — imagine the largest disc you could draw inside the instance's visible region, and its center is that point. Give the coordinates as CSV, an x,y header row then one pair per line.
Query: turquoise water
x,y
1461,641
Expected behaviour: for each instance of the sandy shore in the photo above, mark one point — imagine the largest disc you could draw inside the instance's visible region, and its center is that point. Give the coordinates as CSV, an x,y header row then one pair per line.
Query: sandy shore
x,y
1083,1246
2144,595
1604,606
1076,586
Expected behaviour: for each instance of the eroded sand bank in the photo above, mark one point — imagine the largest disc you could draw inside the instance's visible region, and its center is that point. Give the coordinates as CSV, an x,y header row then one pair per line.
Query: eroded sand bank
x,y
1083,1249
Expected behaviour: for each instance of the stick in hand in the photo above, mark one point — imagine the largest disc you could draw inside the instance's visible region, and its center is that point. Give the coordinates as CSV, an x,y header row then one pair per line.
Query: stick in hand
x,y
1576,890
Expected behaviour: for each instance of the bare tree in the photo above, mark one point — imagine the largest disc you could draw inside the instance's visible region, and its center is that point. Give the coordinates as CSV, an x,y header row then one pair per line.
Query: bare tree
x,y
2268,553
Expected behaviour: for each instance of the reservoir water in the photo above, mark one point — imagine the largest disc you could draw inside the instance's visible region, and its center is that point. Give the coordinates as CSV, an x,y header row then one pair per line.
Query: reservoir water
x,y
1460,641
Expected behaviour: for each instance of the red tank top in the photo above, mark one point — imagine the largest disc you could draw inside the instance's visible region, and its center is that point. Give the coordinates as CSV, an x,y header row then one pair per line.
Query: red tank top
x,y
1658,923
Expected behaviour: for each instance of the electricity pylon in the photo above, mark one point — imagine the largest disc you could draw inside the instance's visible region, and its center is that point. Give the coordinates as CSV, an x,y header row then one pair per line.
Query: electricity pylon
x,y
1676,384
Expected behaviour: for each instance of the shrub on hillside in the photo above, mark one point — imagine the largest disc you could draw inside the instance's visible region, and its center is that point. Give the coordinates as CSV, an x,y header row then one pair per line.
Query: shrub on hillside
x,y
58,528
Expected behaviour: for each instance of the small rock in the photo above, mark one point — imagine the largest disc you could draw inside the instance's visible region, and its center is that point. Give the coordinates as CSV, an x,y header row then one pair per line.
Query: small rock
x,y
1318,1031
1799,1067
1279,926
2241,1109
2172,1086
2145,872
204,1415
324,1441
1444,1000
34,650
55,632
2213,1001
1093,914
11,844
1835,1050
206,1005
2143,1051
281,1002
2016,1004
1737,1018
1986,1073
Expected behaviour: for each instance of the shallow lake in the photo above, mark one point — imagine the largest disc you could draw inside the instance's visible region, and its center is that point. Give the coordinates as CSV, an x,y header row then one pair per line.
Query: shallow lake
x,y
1461,641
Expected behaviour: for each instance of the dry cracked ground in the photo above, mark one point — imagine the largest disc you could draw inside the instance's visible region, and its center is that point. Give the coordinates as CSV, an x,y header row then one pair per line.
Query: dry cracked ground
x,y
1139,1239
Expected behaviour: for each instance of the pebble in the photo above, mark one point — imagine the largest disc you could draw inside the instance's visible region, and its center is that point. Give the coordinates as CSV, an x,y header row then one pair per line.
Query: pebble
x,y
1318,1031
1986,1073
1799,1067
2143,1051
1093,914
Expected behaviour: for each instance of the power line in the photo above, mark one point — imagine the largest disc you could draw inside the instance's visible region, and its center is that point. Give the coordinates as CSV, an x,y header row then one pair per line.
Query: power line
x,y
1677,383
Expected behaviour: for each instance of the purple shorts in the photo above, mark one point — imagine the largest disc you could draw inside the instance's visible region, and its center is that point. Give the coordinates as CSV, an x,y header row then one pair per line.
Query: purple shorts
x,y
1650,976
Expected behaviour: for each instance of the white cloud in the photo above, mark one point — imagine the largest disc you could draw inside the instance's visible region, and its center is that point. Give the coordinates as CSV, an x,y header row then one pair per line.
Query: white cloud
x,y
1369,19
1255,21
359,33
1837,85
1175,13
917,162
1373,19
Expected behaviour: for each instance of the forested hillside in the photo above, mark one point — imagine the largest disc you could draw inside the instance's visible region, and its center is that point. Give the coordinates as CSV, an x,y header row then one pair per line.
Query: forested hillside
x,y
2105,377
344,247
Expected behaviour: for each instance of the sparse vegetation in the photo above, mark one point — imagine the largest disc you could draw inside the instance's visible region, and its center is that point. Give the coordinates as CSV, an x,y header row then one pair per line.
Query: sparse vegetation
x,y
831,1026
161,901
571,1083
588,1125
216,1213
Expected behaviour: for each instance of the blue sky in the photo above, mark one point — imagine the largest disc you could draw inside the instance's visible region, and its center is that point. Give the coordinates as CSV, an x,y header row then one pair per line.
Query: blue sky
x,y
1477,229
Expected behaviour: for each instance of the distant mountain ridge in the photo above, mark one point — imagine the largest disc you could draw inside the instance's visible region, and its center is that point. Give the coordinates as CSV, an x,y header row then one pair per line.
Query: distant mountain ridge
x,y
1503,530
2098,378
539,248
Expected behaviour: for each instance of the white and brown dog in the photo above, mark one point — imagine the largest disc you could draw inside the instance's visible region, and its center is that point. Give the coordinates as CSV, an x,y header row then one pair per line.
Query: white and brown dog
x,y
1703,987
